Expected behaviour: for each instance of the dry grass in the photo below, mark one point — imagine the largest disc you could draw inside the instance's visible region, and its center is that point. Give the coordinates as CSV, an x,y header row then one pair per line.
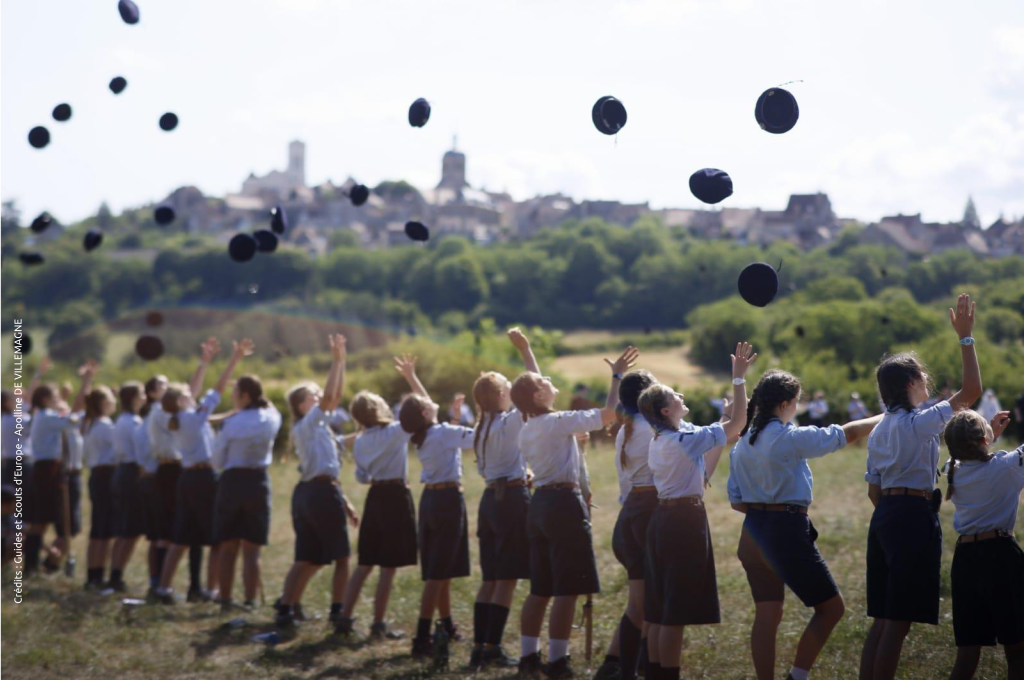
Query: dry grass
x,y
673,367
62,632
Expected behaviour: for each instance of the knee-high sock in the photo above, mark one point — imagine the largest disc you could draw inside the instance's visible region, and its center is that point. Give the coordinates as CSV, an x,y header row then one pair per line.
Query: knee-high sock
x,y
481,610
195,567
629,647
33,543
496,618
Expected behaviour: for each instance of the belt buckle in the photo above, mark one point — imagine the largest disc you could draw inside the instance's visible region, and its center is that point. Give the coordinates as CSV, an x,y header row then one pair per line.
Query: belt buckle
x,y
791,509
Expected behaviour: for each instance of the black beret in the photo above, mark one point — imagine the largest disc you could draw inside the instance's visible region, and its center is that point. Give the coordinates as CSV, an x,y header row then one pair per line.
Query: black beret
x,y
242,247
266,241
799,331
711,185
149,347
129,11
117,84
41,223
168,121
62,112
93,239
758,284
31,258
278,219
359,194
154,319
39,136
164,215
609,115
417,231
776,110
419,112
26,343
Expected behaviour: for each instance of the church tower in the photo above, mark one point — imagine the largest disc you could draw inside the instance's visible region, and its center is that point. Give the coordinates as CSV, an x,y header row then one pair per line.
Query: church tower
x,y
453,169
297,162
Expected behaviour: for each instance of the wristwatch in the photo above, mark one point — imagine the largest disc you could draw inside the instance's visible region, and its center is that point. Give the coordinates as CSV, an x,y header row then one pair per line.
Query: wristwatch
x,y
739,381
617,376
967,341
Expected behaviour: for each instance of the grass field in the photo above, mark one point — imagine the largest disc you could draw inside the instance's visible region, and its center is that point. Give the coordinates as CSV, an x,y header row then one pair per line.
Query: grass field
x,y
62,632
674,367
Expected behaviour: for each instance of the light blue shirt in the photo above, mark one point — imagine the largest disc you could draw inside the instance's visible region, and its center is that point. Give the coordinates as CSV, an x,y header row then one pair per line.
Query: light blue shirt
x,y
194,437
76,443
99,443
986,494
246,439
12,437
124,437
160,442
636,471
676,458
143,450
497,454
381,452
47,427
775,469
315,445
903,449
548,443
441,453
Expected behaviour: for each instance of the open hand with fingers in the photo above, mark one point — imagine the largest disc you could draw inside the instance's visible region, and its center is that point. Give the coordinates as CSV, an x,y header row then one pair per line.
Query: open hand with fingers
x,y
625,361
962,318
519,339
406,365
742,359
242,348
209,349
339,346
999,423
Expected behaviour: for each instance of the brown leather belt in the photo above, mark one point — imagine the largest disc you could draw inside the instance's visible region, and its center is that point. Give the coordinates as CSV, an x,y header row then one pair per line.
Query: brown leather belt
x,y
325,478
985,536
388,482
94,468
904,491
199,466
644,489
778,507
682,500
508,483
564,486
168,462
443,485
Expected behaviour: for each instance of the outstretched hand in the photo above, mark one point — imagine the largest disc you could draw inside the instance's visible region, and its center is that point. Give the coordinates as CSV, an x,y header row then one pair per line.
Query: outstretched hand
x,y
457,401
209,349
742,359
963,318
625,361
242,348
406,365
88,369
519,339
999,423
45,365
339,346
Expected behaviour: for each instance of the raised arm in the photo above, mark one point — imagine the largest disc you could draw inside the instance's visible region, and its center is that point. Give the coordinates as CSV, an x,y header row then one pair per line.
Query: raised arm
x,y
457,401
963,323
522,343
858,429
208,350
44,367
239,349
406,365
86,371
336,378
715,455
625,362
741,361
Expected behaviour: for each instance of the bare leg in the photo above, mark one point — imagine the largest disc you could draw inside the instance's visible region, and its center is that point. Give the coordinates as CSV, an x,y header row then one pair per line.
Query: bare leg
x,y
226,567
122,557
485,592
890,646
654,643
503,592
532,618
563,610
352,590
250,569
212,571
867,656
444,600
613,643
670,644
305,575
967,659
429,599
171,561
288,595
826,616
767,616
383,594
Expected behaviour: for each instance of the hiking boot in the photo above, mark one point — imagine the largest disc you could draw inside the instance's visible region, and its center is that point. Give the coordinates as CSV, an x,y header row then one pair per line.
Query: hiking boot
x,y
558,669
381,631
530,667
496,656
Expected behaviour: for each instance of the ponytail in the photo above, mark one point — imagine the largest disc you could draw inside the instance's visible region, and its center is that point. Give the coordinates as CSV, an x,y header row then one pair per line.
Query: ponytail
x,y
632,386
169,403
965,436
772,389
627,432
410,416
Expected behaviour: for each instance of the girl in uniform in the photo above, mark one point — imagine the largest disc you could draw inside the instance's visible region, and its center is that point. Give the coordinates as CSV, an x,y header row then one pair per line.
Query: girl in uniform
x,y
387,534
319,510
770,481
905,538
192,437
629,539
501,522
74,445
154,389
679,585
443,526
988,591
562,563
128,482
44,495
101,459
243,450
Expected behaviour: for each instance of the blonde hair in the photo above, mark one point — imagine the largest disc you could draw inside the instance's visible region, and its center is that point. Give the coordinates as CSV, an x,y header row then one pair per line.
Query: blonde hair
x,y
370,410
297,395
965,436
524,395
487,395
651,401
169,403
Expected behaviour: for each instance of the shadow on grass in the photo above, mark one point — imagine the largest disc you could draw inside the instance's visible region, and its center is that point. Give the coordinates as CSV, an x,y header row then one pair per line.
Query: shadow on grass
x,y
225,635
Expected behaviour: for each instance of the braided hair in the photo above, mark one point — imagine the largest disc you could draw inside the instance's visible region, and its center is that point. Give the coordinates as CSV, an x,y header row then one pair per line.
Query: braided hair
x,y
632,386
895,375
652,400
487,394
171,404
772,389
965,436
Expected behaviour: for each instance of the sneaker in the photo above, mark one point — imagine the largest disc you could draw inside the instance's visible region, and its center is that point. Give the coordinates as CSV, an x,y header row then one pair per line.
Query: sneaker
x,y
496,656
196,595
609,670
558,669
530,667
422,648
344,625
380,631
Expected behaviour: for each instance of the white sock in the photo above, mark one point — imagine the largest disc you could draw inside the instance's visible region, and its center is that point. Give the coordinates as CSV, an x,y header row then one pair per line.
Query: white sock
x,y
799,673
557,649
529,645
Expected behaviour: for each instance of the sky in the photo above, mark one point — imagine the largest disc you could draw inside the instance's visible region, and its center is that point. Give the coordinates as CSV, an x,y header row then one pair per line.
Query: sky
x,y
905,105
